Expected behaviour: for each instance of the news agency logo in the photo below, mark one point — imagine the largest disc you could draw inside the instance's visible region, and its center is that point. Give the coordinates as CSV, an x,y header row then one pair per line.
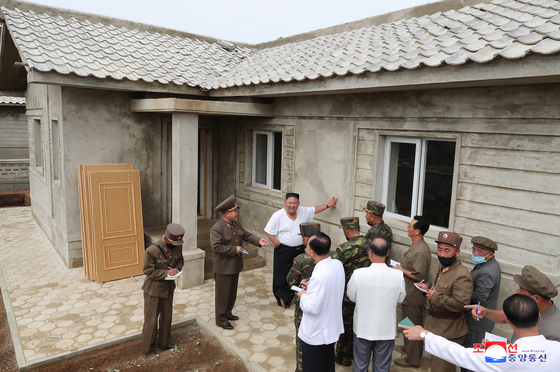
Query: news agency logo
x,y
501,352
495,351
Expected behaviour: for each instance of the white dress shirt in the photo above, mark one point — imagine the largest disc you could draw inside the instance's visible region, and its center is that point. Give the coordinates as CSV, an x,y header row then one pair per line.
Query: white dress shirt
x,y
285,229
322,304
376,290
535,354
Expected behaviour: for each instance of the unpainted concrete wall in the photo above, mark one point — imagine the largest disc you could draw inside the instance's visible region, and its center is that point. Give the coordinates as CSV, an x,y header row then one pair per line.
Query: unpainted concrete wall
x,y
507,184
99,128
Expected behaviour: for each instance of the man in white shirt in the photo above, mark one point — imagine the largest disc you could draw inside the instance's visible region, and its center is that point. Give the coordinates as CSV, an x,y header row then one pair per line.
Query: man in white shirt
x,y
283,231
532,351
376,290
321,303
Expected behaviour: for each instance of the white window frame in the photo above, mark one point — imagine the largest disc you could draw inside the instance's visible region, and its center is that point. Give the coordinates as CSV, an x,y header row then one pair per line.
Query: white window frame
x,y
269,159
419,176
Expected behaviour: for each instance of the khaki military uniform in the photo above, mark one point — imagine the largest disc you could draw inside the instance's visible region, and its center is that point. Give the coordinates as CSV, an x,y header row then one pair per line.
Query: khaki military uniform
x,y
353,255
302,269
225,238
158,295
454,287
416,260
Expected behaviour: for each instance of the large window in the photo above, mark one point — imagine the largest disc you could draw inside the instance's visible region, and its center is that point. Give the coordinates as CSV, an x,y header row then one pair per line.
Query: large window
x,y
267,159
418,178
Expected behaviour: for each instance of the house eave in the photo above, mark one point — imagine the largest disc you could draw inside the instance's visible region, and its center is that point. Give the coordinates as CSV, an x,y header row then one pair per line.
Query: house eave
x,y
91,82
532,69
170,105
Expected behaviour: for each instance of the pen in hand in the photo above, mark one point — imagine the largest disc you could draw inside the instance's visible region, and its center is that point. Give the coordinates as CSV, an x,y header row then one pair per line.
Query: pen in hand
x,y
477,310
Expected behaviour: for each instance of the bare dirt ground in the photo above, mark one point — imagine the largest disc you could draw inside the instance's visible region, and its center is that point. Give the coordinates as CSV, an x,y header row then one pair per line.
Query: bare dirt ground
x,y
195,352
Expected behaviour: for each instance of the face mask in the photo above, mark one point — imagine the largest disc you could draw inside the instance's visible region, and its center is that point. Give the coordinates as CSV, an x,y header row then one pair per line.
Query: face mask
x,y
169,245
446,261
478,259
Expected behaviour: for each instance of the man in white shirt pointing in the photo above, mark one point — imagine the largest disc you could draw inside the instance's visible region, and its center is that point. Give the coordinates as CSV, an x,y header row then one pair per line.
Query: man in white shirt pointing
x,y
531,352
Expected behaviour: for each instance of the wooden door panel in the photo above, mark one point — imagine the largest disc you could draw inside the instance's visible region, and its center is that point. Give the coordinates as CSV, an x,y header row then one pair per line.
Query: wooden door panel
x,y
118,233
88,252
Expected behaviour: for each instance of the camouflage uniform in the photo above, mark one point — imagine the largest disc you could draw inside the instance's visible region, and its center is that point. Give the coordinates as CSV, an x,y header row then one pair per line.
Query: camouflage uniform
x,y
353,255
302,269
380,230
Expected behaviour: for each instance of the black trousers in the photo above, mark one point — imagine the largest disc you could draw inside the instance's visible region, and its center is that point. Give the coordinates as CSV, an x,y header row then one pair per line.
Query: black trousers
x,y
283,261
318,358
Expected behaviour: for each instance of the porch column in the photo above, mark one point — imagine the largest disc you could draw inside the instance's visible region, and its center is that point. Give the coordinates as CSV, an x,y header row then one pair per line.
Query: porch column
x,y
184,179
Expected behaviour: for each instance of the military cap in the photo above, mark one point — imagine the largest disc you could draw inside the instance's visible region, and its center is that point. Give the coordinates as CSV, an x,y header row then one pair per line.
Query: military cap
x,y
375,208
485,243
450,238
174,233
227,205
309,229
536,282
350,223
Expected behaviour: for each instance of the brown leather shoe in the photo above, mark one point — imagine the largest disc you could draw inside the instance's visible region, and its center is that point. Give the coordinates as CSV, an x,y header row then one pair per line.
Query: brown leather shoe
x,y
403,363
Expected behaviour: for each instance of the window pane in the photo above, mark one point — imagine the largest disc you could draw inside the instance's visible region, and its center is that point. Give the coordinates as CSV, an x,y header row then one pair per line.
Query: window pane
x,y
261,144
401,178
277,161
440,158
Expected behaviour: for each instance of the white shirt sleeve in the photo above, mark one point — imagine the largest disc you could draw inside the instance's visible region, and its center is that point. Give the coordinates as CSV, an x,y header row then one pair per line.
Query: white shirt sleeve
x,y
309,213
352,289
457,354
272,225
402,295
311,302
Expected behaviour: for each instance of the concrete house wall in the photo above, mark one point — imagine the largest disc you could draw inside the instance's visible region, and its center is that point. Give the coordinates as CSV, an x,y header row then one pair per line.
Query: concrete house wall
x,y
507,173
96,127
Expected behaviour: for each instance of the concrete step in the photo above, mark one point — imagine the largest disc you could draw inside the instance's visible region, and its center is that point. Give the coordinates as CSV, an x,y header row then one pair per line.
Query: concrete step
x,y
15,198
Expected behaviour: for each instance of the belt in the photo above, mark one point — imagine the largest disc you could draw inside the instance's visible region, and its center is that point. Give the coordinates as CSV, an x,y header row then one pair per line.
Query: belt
x,y
443,315
294,247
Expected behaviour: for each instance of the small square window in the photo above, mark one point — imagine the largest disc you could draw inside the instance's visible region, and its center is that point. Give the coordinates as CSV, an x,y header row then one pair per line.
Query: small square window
x,y
418,178
267,159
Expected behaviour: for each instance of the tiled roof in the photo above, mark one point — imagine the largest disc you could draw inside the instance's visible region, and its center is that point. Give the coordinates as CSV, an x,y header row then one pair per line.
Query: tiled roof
x,y
15,101
53,43
503,28
508,29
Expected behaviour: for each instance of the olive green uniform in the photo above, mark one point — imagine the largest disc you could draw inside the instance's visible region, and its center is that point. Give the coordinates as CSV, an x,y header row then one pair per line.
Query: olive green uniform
x,y
454,287
301,269
353,255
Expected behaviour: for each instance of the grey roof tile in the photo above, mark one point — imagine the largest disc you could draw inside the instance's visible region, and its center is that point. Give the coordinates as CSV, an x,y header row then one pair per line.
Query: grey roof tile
x,y
499,29
12,101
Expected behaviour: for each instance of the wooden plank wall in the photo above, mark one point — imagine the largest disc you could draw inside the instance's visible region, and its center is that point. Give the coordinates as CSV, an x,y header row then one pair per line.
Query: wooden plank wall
x,y
508,187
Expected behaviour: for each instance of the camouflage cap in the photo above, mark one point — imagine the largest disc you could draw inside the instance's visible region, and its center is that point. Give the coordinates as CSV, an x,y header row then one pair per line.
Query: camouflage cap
x,y
174,233
350,223
375,208
227,205
450,238
309,229
484,243
536,282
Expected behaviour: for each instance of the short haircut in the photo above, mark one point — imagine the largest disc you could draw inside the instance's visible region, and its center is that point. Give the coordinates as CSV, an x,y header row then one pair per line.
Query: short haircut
x,y
321,245
521,311
292,195
421,224
379,247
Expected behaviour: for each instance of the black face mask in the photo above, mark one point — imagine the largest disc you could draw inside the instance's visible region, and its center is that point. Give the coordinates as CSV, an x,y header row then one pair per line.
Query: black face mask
x,y
446,261
169,245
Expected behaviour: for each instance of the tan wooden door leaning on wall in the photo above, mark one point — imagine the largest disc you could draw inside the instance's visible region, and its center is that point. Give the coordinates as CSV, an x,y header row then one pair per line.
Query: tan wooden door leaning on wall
x,y
85,211
118,232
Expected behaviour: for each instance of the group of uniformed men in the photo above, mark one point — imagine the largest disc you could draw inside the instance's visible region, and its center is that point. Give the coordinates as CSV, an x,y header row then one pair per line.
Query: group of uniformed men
x,y
452,291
